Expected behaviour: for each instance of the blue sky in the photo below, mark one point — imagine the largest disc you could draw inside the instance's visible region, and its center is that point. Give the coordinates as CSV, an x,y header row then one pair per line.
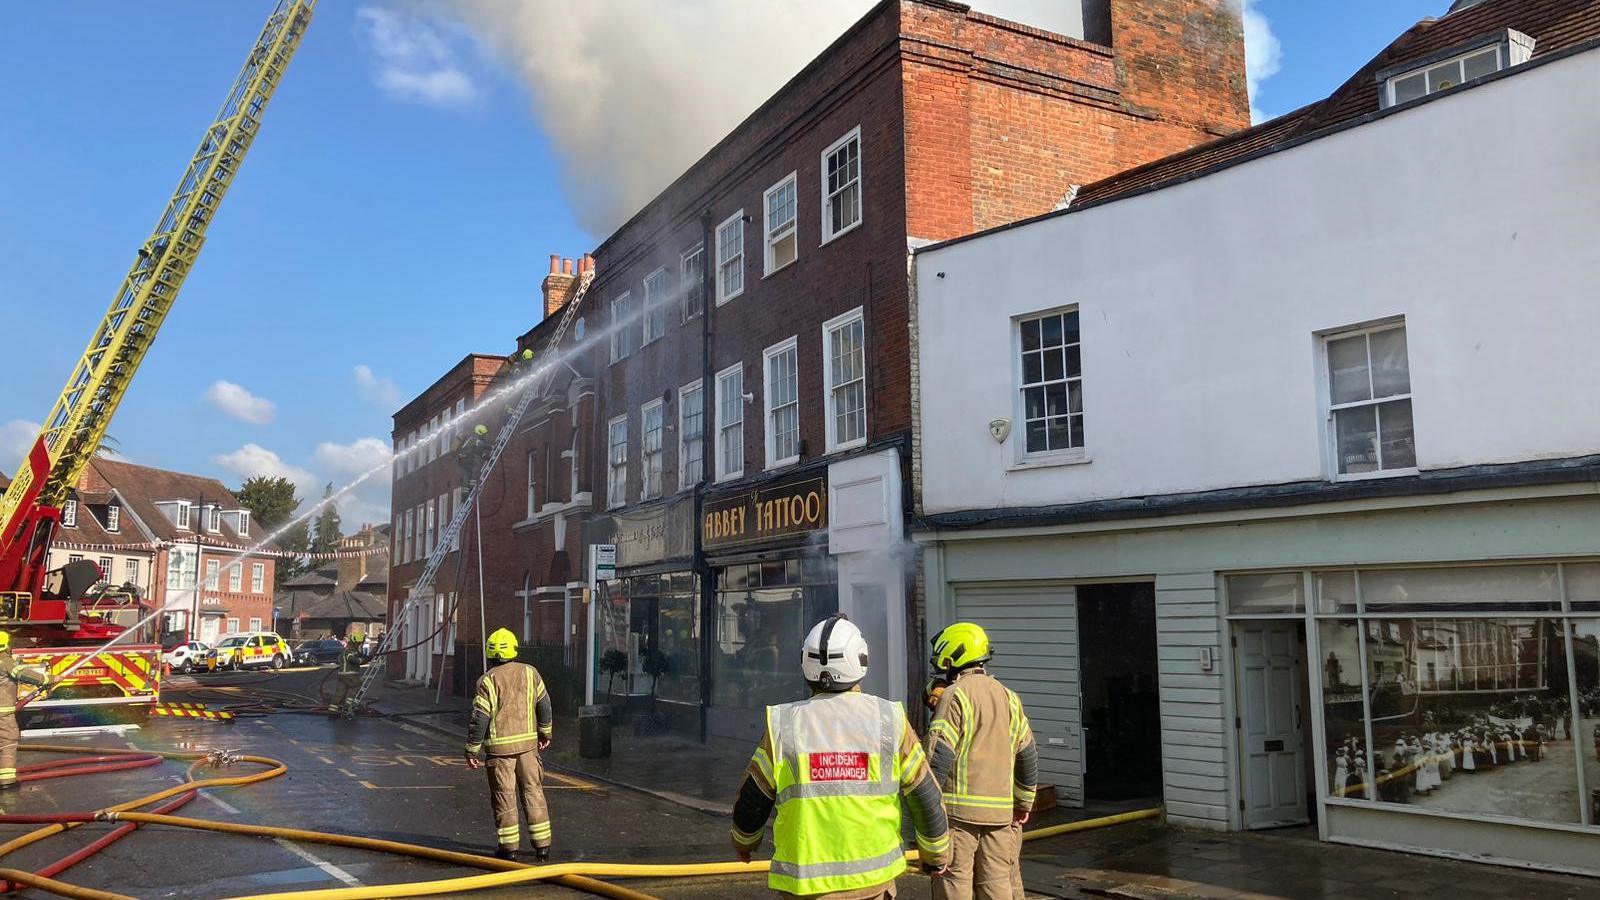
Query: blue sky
x,y
396,213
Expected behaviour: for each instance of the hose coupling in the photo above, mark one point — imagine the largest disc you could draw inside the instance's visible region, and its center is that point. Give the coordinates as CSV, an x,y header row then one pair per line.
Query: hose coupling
x,y
223,758
107,815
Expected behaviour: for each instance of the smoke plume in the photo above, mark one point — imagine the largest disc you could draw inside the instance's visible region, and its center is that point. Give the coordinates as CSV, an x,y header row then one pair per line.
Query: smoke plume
x,y
631,92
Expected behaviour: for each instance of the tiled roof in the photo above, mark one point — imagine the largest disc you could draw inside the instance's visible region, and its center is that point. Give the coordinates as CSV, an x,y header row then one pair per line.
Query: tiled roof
x,y
314,604
143,487
89,525
1555,25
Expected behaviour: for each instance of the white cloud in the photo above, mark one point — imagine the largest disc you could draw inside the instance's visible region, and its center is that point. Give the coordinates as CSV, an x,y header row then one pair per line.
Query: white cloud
x,y
377,389
256,461
16,439
240,404
1263,54
353,459
414,57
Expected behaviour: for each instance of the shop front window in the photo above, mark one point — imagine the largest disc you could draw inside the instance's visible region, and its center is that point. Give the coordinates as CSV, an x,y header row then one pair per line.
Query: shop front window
x,y
763,613
1452,689
650,637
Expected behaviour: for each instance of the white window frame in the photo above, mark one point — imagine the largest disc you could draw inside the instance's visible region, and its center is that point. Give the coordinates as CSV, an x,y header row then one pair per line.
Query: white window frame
x,y
1329,426
213,520
693,299
647,459
769,434
724,423
213,574
685,477
418,552
791,231
1390,87
244,523
532,483
106,563
233,625
410,535
852,317
113,518
736,259
183,516
655,303
828,234
457,497
620,310
616,472
69,514
433,509
1063,456
255,623
444,513
130,571
235,577
258,583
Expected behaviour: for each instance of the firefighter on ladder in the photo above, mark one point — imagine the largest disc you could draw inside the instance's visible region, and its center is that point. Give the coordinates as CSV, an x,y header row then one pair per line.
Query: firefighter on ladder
x,y
836,767
12,673
512,721
984,758
348,697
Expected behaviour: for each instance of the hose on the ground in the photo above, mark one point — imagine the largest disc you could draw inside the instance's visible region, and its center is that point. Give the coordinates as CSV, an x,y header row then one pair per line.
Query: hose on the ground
x,y
580,876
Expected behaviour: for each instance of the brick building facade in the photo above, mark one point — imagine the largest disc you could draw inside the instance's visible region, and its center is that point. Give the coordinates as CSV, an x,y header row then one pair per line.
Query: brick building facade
x,y
924,121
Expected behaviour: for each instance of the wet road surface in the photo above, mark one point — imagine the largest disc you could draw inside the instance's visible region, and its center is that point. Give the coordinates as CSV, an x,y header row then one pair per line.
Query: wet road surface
x,y
372,777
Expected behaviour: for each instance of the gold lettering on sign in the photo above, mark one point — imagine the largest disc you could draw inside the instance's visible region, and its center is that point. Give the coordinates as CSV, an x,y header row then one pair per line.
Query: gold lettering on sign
x,y
759,515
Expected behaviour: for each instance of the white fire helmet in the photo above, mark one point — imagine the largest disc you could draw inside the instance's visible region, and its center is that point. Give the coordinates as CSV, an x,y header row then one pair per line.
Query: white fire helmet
x,y
835,655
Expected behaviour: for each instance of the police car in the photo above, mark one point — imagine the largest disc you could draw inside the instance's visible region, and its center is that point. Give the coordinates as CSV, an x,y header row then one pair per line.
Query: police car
x,y
252,649
186,657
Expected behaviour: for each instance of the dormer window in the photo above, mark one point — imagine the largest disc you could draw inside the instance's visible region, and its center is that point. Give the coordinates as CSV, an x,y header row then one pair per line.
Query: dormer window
x,y
113,518
244,523
1453,66
214,519
69,514
181,518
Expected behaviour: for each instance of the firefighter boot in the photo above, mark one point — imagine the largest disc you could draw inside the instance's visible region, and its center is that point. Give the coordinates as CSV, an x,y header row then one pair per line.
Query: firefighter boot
x,y
506,853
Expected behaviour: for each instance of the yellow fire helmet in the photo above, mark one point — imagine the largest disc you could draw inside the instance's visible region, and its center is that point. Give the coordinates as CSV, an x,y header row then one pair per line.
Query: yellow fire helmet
x,y
960,645
357,637
502,645
5,641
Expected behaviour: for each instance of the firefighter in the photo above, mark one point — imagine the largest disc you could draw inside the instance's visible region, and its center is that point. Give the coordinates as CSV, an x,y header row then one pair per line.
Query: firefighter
x,y
983,755
350,659
836,766
14,673
512,722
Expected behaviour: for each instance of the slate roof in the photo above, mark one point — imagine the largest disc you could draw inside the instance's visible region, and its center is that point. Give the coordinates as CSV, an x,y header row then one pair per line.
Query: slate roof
x,y
143,486
342,605
1555,25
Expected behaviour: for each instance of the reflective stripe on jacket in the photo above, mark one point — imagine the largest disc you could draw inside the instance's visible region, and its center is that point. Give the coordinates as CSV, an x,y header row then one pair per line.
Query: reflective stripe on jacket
x,y
836,771
982,721
509,695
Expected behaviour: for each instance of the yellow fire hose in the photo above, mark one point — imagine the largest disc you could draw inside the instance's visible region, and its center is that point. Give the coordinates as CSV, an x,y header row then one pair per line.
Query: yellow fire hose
x,y
580,876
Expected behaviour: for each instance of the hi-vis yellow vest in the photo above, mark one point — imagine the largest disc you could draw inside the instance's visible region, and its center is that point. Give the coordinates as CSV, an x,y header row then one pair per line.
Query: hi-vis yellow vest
x,y
836,772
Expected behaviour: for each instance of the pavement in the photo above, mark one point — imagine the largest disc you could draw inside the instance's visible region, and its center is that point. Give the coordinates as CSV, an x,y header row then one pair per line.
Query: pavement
x,y
402,777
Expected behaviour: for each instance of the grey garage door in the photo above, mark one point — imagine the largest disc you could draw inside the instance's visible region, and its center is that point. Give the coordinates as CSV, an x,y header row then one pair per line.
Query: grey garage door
x,y
1034,631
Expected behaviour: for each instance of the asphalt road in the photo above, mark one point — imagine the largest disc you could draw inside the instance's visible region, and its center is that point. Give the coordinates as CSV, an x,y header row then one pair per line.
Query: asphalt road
x,y
374,777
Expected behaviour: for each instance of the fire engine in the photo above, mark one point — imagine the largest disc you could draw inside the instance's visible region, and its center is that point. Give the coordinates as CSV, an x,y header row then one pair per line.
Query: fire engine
x,y
98,640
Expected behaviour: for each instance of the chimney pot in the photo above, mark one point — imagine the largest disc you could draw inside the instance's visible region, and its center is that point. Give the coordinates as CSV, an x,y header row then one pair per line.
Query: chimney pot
x,y
555,263
566,266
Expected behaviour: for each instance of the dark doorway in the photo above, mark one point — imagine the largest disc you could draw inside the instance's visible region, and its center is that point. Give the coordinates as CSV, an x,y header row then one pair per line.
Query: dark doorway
x,y
1121,700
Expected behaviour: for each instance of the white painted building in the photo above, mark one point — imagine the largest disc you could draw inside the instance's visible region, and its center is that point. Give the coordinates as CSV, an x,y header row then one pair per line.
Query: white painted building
x,y
1279,456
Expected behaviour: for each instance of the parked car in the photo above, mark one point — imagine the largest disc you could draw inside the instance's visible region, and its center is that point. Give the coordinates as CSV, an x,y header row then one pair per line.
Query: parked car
x,y
317,652
186,657
253,648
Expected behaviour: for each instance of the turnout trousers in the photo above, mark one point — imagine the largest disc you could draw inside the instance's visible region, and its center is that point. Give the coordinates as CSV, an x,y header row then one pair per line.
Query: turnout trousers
x,y
349,686
10,734
985,863
518,778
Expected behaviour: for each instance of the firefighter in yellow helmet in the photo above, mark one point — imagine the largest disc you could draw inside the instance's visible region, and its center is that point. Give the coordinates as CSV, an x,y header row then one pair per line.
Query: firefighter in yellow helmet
x,y
982,752
12,673
836,767
350,661
511,722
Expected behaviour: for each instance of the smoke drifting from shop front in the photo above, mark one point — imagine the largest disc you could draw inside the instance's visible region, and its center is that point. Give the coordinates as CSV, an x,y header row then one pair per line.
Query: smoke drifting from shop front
x,y
632,92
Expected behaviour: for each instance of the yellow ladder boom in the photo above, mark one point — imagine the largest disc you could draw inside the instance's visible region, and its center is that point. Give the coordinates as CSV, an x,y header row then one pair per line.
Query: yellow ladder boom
x,y
78,423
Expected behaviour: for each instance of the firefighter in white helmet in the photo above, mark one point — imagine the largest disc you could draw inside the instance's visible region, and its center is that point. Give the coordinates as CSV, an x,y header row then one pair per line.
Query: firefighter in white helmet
x,y
836,766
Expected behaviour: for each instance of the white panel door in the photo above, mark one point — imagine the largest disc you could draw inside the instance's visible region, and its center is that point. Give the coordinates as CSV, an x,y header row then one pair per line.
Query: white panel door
x,y
1271,734
1034,632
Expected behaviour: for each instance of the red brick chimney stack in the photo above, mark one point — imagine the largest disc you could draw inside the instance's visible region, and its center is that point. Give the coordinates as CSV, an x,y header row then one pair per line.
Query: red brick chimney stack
x,y
558,284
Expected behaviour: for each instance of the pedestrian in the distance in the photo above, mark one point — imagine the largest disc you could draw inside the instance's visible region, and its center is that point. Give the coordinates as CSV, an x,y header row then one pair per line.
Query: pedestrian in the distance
x,y
512,721
350,660
12,673
835,767
984,757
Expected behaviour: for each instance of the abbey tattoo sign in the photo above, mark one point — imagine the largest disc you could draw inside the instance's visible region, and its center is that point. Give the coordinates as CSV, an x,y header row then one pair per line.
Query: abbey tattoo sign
x,y
786,509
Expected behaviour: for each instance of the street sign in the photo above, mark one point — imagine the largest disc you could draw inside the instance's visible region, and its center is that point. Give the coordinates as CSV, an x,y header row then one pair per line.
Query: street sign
x,y
605,562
